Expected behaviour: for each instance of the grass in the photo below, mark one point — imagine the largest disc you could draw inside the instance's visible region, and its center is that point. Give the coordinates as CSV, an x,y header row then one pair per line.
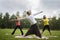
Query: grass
x,y
4,36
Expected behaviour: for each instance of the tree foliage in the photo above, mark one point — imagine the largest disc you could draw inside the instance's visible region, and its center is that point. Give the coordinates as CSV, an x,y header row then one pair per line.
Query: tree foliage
x,y
6,23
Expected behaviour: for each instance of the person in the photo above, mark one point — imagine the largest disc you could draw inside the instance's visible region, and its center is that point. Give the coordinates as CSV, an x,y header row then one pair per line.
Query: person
x,y
17,25
46,24
34,28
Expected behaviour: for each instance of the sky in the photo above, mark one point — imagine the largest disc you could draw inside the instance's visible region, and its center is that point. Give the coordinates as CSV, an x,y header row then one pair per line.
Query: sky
x,y
49,7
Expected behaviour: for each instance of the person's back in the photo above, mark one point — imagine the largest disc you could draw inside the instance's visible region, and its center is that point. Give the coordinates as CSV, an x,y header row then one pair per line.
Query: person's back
x,y
17,21
34,28
46,24
17,25
31,19
46,21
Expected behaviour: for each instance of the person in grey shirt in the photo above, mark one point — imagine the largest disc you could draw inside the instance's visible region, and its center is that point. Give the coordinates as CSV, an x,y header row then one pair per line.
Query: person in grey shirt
x,y
34,28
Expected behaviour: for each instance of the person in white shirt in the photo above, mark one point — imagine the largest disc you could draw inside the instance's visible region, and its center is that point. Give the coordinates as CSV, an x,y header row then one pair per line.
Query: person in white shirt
x,y
34,28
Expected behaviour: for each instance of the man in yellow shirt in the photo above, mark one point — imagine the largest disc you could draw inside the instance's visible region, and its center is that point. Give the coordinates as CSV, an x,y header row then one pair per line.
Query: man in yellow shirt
x,y
46,24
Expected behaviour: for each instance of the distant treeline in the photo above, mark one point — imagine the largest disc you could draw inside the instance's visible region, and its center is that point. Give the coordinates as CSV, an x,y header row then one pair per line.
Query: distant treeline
x,y
6,23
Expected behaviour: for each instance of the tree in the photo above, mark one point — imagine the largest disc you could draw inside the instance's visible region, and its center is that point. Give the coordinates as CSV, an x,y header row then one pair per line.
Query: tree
x,y
17,14
0,20
24,14
12,23
53,23
6,20
58,22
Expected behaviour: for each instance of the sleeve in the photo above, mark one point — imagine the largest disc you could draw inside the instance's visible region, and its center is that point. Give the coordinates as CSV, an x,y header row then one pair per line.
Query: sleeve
x,y
38,13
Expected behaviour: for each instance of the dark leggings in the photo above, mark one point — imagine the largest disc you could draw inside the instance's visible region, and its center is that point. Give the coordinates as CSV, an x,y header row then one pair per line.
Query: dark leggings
x,y
46,27
34,30
16,28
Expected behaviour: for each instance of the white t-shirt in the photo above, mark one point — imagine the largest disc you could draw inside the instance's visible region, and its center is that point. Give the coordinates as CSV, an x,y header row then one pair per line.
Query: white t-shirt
x,y
31,19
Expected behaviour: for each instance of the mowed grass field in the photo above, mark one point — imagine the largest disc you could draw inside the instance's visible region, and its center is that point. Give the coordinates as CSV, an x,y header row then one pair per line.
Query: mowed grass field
x,y
5,34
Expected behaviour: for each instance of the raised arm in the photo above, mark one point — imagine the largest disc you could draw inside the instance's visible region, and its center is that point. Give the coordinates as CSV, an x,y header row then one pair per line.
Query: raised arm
x,y
22,18
13,20
38,13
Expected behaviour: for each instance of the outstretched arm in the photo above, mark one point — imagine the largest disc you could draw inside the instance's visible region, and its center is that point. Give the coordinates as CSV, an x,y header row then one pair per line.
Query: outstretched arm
x,y
22,18
38,13
13,20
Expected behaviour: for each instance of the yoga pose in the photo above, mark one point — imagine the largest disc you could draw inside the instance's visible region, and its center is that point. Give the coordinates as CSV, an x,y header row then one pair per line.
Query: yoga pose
x,y
17,20
46,24
34,28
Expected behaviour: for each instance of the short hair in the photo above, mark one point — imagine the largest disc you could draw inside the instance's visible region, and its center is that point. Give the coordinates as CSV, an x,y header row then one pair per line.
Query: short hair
x,y
16,17
28,12
44,16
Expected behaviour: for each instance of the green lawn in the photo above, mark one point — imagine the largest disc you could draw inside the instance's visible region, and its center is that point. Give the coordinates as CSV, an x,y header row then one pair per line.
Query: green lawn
x,y
4,36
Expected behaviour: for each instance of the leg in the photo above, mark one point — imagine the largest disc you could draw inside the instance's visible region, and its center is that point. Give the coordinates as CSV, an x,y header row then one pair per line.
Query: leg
x,y
43,29
21,30
30,31
48,29
14,30
37,32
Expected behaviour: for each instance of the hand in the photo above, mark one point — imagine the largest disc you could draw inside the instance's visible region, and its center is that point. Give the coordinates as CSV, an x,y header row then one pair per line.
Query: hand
x,y
41,12
11,20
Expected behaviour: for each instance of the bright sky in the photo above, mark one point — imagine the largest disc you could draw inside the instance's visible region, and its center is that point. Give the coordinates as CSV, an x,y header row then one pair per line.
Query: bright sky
x,y
50,7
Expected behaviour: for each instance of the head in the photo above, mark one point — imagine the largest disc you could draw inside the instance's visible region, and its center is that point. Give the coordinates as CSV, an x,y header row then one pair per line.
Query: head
x,y
16,17
44,17
28,13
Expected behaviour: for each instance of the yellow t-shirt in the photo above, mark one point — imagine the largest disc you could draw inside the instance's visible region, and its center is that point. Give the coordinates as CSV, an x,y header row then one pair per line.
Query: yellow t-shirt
x,y
46,21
